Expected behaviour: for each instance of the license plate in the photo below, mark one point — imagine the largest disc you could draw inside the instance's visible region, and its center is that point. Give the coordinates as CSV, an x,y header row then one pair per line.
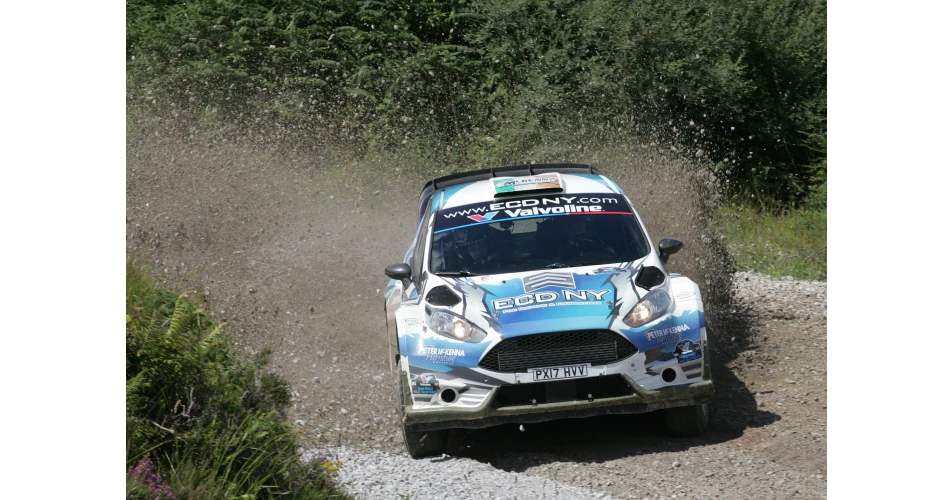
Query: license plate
x,y
560,372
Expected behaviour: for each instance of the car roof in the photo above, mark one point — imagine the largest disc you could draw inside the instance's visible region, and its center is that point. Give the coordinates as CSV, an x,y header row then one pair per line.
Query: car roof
x,y
482,191
476,186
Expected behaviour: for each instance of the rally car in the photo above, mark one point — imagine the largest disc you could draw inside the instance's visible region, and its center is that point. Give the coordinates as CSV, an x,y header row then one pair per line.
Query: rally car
x,y
533,293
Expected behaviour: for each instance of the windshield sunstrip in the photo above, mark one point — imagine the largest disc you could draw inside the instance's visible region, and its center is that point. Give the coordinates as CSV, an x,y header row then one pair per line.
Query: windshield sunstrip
x,y
524,208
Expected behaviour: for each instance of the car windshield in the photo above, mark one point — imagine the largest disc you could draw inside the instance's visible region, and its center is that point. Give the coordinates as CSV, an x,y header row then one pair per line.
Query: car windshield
x,y
531,233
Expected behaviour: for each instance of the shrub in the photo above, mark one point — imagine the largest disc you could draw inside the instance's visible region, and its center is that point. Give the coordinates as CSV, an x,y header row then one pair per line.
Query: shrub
x,y
739,82
202,421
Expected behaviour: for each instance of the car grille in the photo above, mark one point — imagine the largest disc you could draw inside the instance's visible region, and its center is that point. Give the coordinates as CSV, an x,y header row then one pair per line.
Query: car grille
x,y
597,347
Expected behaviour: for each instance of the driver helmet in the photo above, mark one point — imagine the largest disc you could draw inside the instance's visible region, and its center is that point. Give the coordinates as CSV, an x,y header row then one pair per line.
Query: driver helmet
x,y
471,236
577,226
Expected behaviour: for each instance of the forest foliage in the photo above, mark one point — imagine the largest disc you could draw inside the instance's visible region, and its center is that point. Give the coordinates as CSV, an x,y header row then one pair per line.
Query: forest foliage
x,y
740,84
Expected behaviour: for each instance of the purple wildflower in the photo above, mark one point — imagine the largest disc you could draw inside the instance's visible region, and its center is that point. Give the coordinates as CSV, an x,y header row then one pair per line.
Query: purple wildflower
x,y
146,474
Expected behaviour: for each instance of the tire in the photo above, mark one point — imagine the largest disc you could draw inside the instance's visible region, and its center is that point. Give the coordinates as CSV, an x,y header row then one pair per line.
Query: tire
x,y
687,420
420,444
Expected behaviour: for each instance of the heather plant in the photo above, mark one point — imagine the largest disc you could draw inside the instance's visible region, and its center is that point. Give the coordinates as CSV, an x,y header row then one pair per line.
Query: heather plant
x,y
202,420
143,483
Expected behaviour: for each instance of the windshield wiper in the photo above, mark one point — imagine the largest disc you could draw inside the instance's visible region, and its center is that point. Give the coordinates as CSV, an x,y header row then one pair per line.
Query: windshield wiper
x,y
462,273
559,265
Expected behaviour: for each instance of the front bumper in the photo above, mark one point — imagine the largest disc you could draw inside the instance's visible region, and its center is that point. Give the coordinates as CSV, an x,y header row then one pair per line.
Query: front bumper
x,y
489,414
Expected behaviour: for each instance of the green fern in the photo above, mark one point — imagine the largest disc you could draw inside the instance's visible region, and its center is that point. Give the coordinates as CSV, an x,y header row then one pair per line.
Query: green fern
x,y
180,319
213,420
212,339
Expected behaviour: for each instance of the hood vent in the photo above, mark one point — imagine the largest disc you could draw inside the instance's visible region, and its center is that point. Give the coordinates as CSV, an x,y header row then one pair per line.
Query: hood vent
x,y
544,279
650,277
442,296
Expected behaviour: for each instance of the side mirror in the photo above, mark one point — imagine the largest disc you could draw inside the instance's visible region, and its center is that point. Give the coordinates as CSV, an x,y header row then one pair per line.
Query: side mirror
x,y
398,271
668,247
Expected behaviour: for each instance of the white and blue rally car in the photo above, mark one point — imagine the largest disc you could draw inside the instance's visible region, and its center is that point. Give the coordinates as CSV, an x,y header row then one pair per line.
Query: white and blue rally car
x,y
533,293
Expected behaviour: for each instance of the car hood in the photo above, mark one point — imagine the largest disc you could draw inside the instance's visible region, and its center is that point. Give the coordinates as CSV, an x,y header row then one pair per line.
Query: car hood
x,y
548,300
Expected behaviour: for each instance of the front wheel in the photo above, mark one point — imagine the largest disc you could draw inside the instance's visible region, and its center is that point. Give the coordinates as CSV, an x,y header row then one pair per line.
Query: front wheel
x,y
420,444
687,420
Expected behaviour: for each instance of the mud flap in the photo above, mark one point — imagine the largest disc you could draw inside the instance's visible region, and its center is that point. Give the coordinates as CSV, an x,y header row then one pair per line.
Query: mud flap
x,y
706,361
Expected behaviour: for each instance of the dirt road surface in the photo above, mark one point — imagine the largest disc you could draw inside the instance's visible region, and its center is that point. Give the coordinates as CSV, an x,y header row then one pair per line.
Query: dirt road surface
x,y
290,251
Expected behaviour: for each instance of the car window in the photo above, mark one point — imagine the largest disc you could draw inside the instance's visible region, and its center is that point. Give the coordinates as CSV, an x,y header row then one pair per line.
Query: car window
x,y
527,234
416,266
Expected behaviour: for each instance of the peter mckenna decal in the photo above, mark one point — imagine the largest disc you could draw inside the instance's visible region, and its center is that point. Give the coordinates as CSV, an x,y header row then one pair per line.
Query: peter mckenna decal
x,y
441,355
666,335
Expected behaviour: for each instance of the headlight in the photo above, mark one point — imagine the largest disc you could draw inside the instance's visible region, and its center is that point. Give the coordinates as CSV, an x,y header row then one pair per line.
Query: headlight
x,y
450,325
654,305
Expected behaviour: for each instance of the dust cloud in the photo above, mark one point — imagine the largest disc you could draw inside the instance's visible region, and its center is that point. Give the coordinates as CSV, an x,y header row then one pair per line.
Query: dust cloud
x,y
285,236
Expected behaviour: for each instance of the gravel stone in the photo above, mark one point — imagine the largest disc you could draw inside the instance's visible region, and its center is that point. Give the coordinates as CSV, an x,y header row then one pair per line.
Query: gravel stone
x,y
372,474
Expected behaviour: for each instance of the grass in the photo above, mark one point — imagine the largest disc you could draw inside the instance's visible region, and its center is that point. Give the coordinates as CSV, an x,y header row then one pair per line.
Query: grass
x,y
792,243
204,421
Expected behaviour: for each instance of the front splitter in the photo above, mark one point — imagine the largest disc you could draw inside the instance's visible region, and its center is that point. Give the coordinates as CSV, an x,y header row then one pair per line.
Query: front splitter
x,y
488,415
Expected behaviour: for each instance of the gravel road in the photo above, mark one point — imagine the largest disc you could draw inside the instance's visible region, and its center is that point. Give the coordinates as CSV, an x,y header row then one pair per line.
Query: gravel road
x,y
768,441
289,250
371,473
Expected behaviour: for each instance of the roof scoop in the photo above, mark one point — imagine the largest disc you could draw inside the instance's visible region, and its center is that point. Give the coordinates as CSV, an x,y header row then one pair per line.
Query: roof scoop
x,y
541,183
